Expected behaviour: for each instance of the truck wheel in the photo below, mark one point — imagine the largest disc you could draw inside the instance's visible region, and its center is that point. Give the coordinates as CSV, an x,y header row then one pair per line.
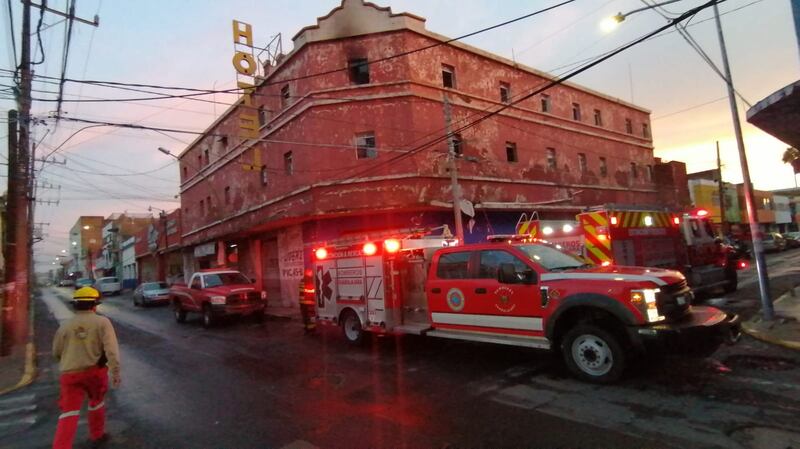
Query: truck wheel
x,y
177,310
208,317
593,354
732,279
351,327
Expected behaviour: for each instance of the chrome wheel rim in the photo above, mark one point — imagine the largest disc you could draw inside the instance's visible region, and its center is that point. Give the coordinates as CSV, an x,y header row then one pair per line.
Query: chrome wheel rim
x,y
592,355
351,327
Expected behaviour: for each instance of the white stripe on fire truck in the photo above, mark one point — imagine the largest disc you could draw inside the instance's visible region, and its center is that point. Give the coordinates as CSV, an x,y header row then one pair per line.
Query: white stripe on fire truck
x,y
604,276
505,322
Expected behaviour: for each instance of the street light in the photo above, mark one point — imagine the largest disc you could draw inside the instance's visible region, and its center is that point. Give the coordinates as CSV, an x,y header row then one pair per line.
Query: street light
x,y
611,23
87,227
749,197
167,152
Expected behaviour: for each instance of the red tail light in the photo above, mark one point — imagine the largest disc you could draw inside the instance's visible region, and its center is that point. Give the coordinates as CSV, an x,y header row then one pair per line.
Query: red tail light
x,y
370,249
321,253
742,265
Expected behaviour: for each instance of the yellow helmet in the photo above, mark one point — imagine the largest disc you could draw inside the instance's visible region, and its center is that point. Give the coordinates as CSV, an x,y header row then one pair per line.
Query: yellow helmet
x,y
86,294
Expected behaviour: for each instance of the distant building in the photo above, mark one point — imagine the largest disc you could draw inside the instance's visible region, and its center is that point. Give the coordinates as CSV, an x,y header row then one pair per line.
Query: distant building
x,y
130,273
118,228
86,238
704,192
158,250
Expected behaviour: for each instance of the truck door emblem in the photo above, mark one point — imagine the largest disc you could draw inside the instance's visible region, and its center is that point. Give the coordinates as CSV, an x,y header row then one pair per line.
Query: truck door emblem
x,y
455,299
503,295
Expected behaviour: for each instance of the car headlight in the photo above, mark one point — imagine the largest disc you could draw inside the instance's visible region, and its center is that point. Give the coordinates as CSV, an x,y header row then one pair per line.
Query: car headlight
x,y
217,300
645,301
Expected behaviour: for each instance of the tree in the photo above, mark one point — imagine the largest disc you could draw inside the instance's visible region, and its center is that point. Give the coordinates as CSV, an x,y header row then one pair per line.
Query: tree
x,y
792,156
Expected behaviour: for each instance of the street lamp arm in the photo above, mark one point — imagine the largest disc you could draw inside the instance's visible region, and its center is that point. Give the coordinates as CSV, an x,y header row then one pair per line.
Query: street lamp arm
x,y
620,17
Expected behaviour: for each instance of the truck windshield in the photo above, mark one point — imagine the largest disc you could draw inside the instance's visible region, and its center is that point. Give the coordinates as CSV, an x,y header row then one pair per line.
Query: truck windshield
x,y
551,258
217,279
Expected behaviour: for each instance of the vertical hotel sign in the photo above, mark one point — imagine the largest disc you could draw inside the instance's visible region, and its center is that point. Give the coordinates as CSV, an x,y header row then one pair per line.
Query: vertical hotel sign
x,y
247,69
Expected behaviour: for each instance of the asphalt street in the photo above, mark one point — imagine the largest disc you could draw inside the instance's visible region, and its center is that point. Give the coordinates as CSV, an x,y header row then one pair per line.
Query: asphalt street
x,y
250,385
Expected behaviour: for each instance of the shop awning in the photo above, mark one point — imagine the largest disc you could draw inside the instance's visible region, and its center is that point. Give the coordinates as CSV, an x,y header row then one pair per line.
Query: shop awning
x,y
779,114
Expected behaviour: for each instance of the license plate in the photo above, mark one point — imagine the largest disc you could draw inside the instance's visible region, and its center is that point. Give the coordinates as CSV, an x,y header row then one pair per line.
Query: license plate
x,y
681,300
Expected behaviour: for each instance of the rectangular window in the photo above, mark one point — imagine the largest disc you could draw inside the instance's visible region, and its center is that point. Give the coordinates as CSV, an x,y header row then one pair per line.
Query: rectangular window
x,y
457,144
552,164
185,172
448,76
649,173
208,203
205,157
634,171
603,167
505,92
454,265
202,207
262,116
288,166
645,130
223,144
285,96
598,117
359,71
545,103
576,112
628,126
511,152
228,195
199,161
365,146
582,163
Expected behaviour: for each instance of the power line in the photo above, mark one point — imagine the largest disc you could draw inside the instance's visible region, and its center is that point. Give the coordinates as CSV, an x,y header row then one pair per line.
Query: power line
x,y
689,108
13,36
67,41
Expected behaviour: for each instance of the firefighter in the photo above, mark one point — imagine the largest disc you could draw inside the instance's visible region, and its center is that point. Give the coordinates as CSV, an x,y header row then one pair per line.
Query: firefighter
x,y
86,349
307,303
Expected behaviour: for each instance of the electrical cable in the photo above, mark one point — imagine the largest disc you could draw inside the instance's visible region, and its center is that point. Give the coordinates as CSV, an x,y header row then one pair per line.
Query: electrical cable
x,y
39,32
13,36
65,59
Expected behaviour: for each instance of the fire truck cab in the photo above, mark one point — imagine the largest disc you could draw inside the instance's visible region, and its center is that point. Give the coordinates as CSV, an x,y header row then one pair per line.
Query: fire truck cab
x,y
513,290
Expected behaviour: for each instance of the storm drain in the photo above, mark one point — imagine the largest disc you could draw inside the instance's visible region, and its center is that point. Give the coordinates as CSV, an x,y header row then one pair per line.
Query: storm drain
x,y
761,363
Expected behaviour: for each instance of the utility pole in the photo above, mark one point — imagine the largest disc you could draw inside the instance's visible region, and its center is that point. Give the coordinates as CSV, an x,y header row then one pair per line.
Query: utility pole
x,y
451,159
7,302
723,223
752,218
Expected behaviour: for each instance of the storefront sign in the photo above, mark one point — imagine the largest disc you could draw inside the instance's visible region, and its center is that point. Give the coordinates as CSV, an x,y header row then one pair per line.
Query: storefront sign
x,y
247,69
152,238
206,249
290,262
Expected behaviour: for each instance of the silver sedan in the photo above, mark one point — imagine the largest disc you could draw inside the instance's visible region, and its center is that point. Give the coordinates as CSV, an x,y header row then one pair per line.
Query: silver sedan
x,y
151,293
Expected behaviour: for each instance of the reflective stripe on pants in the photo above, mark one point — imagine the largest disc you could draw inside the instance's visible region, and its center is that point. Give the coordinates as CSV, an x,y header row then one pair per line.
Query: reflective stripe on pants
x,y
93,383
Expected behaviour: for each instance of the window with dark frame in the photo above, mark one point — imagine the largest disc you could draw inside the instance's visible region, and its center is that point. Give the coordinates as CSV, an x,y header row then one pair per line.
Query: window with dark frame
x,y
365,146
185,172
576,112
598,117
552,164
649,173
223,143
262,116
288,166
359,70
228,195
202,207
505,92
454,265
582,163
511,152
628,126
457,144
448,76
545,103
603,167
285,96
206,159
634,170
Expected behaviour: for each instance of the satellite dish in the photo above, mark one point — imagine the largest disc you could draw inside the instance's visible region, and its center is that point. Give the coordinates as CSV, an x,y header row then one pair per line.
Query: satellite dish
x,y
467,207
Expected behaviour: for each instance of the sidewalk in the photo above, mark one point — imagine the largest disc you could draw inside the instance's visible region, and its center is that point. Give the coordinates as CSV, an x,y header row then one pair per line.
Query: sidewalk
x,y
785,329
281,313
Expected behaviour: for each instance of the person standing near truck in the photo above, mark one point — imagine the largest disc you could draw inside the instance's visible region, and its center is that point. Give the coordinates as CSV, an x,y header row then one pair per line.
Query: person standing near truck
x,y
86,348
307,303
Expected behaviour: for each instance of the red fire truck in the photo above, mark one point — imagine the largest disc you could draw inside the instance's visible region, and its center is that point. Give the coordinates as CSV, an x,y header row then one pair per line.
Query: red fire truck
x,y
513,291
617,235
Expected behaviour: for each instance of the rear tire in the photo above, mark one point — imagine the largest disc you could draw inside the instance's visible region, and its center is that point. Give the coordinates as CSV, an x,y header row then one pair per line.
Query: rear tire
x,y
180,314
208,317
351,328
593,354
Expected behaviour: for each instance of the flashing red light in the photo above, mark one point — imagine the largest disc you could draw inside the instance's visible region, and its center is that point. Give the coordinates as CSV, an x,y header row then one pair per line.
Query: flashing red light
x,y
702,212
370,249
742,264
392,245
614,221
321,253
676,220
605,263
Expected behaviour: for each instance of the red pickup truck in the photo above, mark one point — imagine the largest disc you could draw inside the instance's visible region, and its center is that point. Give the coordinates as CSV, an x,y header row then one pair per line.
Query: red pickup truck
x,y
216,293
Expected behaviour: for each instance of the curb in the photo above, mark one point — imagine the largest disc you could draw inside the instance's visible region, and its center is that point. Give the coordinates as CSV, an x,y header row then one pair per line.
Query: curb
x,y
769,339
30,360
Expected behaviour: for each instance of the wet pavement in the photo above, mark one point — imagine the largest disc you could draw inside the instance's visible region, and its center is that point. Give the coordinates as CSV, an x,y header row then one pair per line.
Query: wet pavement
x,y
250,385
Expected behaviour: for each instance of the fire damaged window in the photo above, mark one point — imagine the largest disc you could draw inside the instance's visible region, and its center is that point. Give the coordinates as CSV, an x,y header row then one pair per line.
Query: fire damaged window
x,y
288,165
457,144
505,92
603,167
552,164
365,146
285,95
448,76
454,265
582,163
359,70
511,152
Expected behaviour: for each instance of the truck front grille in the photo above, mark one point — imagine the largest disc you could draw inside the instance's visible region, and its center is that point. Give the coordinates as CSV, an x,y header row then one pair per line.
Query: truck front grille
x,y
674,300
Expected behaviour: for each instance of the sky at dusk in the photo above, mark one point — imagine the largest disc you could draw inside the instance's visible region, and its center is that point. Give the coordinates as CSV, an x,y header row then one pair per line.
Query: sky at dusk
x,y
188,43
